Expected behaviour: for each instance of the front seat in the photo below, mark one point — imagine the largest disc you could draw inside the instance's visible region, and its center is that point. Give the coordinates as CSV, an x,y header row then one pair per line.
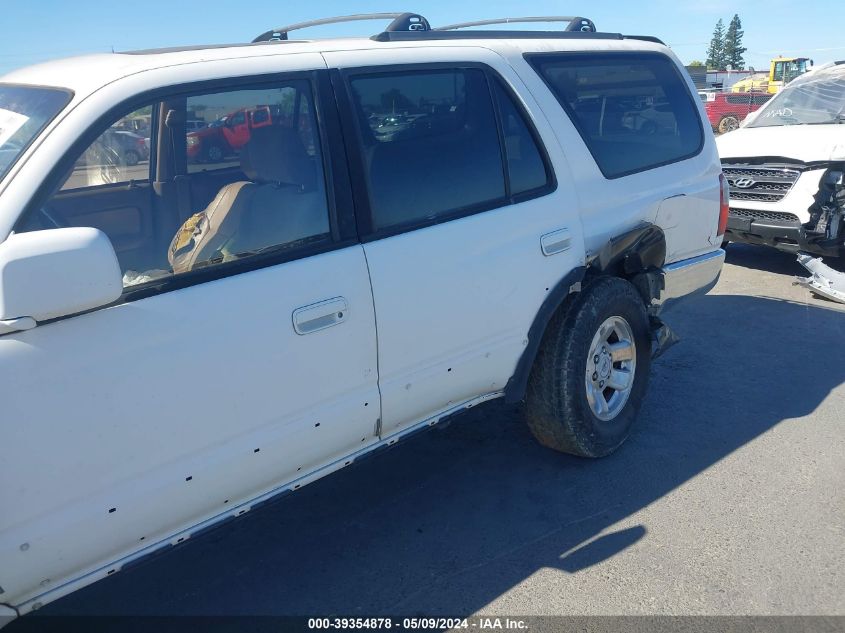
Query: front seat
x,y
282,202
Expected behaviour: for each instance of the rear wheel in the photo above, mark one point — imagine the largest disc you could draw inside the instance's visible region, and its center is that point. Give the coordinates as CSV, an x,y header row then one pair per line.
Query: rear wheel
x,y
591,372
728,123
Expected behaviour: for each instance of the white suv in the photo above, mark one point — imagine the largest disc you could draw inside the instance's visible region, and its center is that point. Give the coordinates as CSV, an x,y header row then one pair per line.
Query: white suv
x,y
408,225
785,168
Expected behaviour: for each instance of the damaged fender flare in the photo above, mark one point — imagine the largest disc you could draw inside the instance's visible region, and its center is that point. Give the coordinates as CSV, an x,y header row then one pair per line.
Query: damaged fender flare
x,y
641,249
636,256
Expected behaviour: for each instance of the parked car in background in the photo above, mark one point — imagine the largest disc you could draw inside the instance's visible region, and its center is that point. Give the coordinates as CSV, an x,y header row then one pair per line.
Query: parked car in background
x,y
726,110
785,168
130,148
213,143
180,344
192,125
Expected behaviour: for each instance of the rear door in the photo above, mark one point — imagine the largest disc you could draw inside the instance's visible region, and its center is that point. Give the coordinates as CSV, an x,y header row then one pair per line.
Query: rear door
x,y
468,219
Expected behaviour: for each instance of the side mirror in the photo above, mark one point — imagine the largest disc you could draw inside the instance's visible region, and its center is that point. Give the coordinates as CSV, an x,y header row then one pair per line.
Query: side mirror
x,y
53,273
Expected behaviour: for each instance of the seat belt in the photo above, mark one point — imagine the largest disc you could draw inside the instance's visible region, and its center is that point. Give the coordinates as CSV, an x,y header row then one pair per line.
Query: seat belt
x,y
175,123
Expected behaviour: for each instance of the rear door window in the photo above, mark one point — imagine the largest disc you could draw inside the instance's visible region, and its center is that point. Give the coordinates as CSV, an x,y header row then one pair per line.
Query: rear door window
x,y
431,144
634,111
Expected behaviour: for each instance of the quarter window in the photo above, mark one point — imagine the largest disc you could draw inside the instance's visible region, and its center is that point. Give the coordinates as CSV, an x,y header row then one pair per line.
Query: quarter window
x,y
633,111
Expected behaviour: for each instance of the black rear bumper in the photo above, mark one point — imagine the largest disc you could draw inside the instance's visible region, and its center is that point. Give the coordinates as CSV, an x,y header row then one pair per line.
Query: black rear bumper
x,y
781,234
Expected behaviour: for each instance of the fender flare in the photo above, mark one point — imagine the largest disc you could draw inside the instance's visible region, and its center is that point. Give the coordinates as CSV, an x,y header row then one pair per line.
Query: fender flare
x,y
518,382
636,255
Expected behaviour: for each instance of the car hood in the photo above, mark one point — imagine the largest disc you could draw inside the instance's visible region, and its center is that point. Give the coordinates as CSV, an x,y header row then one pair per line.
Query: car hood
x,y
806,143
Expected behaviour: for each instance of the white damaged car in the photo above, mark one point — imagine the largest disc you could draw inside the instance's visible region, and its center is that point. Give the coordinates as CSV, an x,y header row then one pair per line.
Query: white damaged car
x,y
785,168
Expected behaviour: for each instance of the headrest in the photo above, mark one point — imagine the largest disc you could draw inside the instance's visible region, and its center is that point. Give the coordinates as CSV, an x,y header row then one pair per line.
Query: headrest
x,y
276,155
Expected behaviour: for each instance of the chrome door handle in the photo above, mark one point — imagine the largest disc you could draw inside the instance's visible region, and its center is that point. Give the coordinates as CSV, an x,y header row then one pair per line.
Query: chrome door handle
x,y
320,315
555,242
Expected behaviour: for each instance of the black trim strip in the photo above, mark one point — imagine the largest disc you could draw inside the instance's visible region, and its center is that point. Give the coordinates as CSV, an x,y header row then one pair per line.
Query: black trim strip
x,y
352,147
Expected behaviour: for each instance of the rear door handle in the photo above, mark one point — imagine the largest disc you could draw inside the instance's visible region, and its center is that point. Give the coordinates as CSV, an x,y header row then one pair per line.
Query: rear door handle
x,y
320,315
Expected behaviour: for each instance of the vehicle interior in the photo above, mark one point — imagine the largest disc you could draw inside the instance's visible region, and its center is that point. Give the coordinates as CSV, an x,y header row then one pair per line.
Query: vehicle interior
x,y
267,192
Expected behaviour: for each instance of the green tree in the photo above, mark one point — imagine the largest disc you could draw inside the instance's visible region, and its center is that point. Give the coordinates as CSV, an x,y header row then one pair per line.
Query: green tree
x,y
696,63
733,48
716,50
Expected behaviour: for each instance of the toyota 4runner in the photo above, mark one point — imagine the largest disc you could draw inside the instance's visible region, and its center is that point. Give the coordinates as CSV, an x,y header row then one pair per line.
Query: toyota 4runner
x,y
428,219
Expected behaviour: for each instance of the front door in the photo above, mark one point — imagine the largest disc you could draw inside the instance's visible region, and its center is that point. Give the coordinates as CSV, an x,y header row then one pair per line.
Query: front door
x,y
203,389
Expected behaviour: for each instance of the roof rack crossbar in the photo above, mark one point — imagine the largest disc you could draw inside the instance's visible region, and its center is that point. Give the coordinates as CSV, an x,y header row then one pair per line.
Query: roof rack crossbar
x,y
412,22
574,23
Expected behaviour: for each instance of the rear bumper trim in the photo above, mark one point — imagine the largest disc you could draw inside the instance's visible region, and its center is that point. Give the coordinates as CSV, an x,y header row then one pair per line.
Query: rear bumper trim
x,y
688,277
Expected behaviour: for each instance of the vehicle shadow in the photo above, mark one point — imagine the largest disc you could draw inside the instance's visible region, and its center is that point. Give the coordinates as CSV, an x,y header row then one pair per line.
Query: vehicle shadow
x,y
450,520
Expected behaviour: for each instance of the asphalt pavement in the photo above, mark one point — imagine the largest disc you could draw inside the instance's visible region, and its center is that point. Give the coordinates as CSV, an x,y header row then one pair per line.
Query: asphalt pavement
x,y
729,497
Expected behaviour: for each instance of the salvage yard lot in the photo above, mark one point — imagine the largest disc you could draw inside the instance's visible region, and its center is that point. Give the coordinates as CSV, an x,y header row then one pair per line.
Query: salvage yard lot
x,y
727,499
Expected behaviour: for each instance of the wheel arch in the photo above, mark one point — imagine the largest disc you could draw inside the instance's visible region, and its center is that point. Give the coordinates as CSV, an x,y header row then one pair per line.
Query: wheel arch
x,y
636,256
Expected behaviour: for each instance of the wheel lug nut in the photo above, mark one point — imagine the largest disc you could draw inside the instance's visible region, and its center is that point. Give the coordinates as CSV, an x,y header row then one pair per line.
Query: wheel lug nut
x,y
601,384
595,376
596,359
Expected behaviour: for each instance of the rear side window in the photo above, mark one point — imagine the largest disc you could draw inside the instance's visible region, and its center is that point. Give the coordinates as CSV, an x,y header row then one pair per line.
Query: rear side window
x,y
633,111
431,144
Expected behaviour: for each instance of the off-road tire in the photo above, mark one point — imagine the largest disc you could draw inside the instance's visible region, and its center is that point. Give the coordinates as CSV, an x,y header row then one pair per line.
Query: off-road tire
x,y
557,410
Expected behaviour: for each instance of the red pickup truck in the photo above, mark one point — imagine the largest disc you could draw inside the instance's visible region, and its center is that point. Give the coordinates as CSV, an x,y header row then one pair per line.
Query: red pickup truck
x,y
725,110
228,134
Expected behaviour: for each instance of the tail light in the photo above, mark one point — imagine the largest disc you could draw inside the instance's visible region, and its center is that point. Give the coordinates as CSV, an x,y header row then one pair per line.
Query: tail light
x,y
724,205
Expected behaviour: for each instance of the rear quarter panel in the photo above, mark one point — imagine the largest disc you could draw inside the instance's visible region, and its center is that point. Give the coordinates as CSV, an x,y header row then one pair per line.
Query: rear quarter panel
x,y
612,206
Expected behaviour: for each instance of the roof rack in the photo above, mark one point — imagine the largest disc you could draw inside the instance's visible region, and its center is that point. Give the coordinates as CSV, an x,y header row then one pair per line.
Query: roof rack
x,y
413,26
406,22
574,23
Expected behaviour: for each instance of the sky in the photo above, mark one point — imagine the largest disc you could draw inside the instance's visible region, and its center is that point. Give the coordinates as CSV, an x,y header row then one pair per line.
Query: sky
x,y
39,30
